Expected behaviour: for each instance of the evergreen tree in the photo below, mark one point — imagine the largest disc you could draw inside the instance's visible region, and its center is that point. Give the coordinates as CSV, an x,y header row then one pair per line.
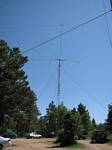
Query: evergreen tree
x,y
66,137
51,117
85,118
17,100
109,119
53,121
81,109
61,112
94,125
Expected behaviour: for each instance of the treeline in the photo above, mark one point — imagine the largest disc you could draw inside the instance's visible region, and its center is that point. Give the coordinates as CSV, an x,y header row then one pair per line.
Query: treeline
x,y
18,109
68,125
53,121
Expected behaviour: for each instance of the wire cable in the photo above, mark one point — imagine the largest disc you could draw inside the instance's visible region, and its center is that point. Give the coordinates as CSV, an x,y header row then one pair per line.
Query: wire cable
x,y
29,26
106,22
83,89
66,32
46,86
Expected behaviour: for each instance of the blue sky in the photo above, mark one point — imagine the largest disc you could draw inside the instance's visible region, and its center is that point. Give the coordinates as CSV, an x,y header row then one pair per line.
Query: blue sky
x,y
25,23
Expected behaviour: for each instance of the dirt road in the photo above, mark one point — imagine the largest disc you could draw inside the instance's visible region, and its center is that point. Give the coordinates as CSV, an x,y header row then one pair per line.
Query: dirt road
x,y
89,146
47,144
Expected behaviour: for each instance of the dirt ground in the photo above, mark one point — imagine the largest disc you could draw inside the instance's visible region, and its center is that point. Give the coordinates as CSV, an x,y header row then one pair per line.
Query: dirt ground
x,y
33,144
89,146
47,144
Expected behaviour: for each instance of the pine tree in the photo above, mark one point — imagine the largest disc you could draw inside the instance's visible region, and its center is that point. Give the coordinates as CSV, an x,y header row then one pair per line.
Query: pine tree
x,y
109,119
17,100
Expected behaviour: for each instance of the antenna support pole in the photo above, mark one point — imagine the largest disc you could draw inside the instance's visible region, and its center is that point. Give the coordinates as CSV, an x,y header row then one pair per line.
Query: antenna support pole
x,y
59,75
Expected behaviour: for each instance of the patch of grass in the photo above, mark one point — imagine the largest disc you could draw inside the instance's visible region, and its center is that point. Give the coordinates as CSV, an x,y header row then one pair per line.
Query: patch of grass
x,y
76,146
51,140
110,138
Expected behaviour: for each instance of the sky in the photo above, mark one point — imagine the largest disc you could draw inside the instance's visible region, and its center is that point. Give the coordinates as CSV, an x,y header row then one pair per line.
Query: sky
x,y
86,76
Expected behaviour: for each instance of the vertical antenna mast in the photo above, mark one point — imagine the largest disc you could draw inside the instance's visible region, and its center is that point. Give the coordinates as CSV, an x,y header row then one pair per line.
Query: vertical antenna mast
x,y
59,75
59,80
59,67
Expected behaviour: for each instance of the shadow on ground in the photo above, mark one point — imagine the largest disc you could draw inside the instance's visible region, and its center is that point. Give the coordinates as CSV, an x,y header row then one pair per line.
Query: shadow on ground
x,y
53,146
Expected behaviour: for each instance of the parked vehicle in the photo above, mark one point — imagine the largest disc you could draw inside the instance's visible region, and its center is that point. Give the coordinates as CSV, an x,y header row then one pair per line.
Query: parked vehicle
x,y
35,135
10,134
99,136
4,142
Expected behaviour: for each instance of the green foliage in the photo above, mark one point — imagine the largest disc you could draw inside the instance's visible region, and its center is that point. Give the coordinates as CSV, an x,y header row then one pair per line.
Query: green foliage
x,y
94,125
92,128
101,126
81,109
52,122
110,138
61,112
76,145
43,126
51,117
66,137
78,125
18,109
85,118
66,124
109,119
